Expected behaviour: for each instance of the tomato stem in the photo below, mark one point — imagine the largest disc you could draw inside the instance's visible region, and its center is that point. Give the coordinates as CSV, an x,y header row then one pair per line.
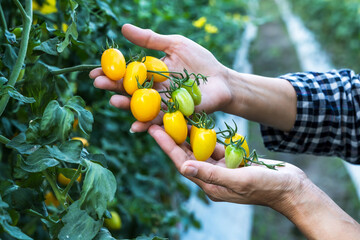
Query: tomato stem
x,y
34,213
4,139
73,179
160,73
3,21
77,68
27,21
55,188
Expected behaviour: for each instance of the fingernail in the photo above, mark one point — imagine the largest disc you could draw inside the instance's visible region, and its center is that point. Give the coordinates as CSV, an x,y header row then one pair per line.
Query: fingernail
x,y
131,131
190,171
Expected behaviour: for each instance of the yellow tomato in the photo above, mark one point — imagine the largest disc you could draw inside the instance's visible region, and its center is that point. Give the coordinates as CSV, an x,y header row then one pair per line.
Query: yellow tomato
x,y
113,223
113,64
50,199
135,71
175,125
64,180
48,7
155,64
83,140
238,137
145,104
192,134
203,144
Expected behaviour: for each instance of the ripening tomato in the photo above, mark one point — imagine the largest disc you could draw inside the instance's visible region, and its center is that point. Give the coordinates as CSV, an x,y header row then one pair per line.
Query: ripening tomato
x,y
234,157
203,144
113,64
50,199
185,101
113,223
238,137
135,71
64,180
194,90
83,140
155,64
175,125
145,104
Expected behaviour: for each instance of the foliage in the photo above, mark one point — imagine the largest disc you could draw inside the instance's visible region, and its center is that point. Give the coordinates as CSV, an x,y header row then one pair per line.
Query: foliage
x,y
54,101
337,25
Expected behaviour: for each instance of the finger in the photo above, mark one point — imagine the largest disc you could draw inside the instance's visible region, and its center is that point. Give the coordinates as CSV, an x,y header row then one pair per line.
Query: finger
x,y
146,38
120,101
219,152
96,72
167,144
144,126
105,83
209,173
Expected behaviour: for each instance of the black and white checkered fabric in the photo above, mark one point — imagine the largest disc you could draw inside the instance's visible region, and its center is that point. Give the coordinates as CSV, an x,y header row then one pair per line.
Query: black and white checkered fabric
x,y
328,116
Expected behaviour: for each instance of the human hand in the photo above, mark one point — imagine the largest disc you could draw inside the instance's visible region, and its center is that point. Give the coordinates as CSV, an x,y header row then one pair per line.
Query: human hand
x,y
246,185
181,53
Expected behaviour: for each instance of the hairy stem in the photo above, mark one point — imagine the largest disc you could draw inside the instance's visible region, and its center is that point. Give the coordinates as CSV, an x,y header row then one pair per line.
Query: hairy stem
x,y
74,69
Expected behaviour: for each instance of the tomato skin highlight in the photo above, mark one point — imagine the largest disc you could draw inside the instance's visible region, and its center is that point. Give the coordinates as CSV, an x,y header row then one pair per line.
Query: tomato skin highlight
x,y
203,144
113,64
134,71
185,101
234,157
155,64
145,104
113,223
194,91
175,125
238,137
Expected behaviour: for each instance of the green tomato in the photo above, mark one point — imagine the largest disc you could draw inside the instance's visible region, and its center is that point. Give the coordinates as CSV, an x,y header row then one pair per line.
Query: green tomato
x,y
194,90
185,101
21,75
17,31
234,157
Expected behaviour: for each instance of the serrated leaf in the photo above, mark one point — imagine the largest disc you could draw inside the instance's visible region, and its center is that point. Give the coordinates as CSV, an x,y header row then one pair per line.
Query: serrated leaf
x,y
48,47
39,160
18,96
78,224
14,231
71,32
68,152
104,234
98,189
85,117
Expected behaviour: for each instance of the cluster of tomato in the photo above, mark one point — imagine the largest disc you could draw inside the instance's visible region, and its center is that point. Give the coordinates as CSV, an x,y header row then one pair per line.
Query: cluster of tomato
x,y
183,94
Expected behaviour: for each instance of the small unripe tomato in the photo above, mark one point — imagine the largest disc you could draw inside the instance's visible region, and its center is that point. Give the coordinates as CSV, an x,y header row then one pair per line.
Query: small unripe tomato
x,y
203,144
155,64
234,157
135,71
185,101
238,137
194,90
50,199
113,223
145,104
113,64
175,125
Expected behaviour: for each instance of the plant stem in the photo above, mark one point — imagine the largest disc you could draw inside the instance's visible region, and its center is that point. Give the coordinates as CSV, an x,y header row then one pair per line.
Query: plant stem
x,y
73,179
3,21
4,139
34,213
27,20
55,188
74,69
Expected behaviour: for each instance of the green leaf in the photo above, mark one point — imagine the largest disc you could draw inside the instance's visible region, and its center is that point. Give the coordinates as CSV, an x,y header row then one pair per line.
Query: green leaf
x,y
78,224
3,80
104,234
33,132
71,32
38,161
14,231
10,37
68,152
19,144
56,123
98,189
85,117
9,57
48,47
18,96
20,198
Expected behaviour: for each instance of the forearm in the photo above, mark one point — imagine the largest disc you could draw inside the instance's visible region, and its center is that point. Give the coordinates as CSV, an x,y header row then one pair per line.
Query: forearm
x,y
269,101
317,216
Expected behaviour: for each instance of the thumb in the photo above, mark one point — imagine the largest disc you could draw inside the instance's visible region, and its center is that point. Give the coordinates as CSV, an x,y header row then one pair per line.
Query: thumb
x,y
209,173
146,38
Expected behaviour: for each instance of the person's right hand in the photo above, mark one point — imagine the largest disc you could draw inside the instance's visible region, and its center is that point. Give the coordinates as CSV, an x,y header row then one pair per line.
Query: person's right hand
x,y
181,53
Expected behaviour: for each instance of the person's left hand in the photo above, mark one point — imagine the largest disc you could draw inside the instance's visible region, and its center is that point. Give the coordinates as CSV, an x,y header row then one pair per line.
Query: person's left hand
x,y
247,185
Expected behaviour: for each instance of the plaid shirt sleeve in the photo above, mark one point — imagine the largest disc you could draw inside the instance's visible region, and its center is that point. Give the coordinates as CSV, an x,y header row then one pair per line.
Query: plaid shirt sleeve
x,y
328,116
